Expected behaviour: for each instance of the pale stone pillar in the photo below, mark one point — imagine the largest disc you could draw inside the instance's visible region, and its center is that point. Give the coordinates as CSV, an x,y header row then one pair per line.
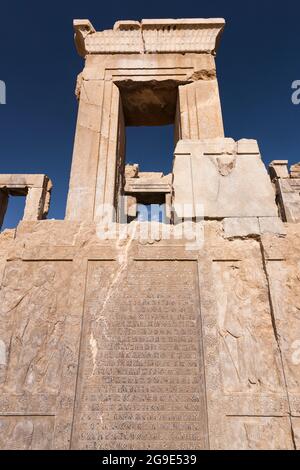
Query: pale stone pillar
x,y
80,204
200,110
38,200
93,173
108,151
3,205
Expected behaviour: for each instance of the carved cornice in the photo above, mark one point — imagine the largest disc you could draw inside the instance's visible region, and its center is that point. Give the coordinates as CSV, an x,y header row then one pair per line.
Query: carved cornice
x,y
150,36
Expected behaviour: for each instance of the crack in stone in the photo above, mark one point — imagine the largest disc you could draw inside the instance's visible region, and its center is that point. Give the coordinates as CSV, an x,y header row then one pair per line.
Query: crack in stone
x,y
123,263
277,338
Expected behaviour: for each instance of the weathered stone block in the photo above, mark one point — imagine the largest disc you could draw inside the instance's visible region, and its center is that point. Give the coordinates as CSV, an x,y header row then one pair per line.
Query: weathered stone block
x,y
225,185
241,227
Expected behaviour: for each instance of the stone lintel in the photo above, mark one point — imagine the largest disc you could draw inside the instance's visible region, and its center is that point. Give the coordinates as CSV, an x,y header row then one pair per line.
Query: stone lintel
x,y
200,35
23,180
82,28
295,171
183,22
36,189
279,169
145,181
133,185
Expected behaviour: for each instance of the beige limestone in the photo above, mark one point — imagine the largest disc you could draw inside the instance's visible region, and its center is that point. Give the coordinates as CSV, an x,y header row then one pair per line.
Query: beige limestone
x,y
287,186
200,110
132,78
289,194
182,335
150,36
145,182
295,171
271,225
241,227
247,227
213,175
36,188
247,396
279,169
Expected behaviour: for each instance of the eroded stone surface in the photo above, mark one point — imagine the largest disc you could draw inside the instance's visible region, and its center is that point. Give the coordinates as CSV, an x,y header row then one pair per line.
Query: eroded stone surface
x,y
150,36
148,335
36,188
212,174
141,306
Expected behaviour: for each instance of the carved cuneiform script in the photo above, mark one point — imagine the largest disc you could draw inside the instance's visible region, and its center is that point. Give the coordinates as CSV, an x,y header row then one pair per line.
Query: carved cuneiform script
x,y
141,377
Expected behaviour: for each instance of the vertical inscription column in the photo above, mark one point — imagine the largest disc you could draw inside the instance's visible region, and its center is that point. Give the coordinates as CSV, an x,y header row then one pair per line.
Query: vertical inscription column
x,y
141,377
200,110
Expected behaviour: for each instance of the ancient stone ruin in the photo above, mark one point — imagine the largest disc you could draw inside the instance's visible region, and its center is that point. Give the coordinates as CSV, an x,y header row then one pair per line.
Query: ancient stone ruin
x,y
123,331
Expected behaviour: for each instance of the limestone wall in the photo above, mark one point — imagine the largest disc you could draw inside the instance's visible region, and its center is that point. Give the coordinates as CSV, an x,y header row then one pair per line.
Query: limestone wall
x,y
147,344
187,337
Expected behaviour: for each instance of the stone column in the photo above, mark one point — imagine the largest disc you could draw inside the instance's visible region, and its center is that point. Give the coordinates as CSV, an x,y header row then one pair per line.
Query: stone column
x,y
80,204
200,110
3,205
38,199
105,193
92,181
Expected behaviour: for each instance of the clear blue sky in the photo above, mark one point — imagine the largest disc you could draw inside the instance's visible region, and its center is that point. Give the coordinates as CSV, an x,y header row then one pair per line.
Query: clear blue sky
x,y
257,61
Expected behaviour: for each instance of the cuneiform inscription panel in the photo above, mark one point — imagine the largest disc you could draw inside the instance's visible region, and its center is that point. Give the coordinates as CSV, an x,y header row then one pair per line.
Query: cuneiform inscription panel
x,y
141,379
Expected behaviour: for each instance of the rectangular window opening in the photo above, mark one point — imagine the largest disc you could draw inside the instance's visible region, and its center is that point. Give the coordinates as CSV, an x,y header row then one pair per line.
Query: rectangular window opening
x,y
151,124
151,147
12,211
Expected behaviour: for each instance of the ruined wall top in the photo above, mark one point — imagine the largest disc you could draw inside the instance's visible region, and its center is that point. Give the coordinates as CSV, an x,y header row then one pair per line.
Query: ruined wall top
x,y
150,36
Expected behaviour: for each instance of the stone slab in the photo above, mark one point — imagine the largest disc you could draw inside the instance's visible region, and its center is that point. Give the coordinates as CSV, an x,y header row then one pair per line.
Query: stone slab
x,y
226,185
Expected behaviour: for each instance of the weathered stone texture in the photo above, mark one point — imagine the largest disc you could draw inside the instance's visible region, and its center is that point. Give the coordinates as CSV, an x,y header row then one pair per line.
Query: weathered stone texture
x,y
150,319
223,177
287,186
36,189
150,36
139,376
156,338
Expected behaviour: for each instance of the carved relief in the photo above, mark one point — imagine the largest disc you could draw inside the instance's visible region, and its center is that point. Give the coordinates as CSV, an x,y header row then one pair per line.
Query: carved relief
x,y
32,313
26,432
226,164
249,355
259,433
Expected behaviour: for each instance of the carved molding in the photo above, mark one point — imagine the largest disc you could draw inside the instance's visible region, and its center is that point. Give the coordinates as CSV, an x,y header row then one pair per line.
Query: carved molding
x,y
150,36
